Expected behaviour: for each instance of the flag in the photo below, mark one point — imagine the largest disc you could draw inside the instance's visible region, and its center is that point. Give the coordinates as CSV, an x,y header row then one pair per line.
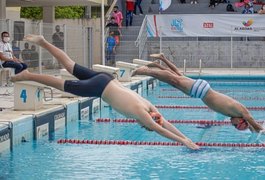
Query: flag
x,y
164,4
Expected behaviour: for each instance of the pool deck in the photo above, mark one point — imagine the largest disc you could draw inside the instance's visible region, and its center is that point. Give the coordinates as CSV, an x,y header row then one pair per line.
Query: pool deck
x,y
8,114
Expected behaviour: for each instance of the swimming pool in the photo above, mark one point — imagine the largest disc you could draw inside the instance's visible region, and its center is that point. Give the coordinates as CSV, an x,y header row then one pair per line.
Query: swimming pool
x,y
45,159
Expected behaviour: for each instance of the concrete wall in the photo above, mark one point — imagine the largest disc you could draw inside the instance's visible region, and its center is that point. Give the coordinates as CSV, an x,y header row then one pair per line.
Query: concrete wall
x,y
245,54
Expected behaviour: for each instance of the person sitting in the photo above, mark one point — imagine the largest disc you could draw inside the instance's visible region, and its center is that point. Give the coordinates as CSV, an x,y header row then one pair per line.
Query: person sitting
x,y
104,85
240,116
229,7
262,10
248,9
7,57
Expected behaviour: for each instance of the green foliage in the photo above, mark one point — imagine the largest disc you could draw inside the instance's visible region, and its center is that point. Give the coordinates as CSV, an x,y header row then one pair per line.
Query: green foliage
x,y
69,12
34,13
65,12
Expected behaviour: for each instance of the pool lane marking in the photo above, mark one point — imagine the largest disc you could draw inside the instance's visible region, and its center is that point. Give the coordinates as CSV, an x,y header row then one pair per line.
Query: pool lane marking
x,y
237,98
253,108
149,143
221,90
201,122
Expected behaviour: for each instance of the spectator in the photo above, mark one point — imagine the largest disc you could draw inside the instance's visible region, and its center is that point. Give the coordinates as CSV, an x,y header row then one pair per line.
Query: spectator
x,y
15,49
58,38
129,12
111,46
229,7
34,56
118,16
26,53
138,4
182,1
262,10
114,27
248,9
7,56
212,4
193,2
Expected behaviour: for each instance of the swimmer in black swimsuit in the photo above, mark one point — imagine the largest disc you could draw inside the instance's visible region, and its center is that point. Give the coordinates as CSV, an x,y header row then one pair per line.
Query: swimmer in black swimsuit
x,y
103,85
240,116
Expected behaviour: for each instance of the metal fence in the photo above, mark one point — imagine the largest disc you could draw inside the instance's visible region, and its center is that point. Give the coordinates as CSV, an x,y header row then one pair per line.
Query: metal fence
x,y
212,52
75,40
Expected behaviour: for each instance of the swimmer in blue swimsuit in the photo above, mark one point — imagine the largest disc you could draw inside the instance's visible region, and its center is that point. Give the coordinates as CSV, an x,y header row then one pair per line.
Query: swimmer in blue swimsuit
x,y
240,116
98,84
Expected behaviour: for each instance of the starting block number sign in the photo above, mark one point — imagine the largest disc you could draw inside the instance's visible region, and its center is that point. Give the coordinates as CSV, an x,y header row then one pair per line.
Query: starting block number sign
x,y
24,95
122,71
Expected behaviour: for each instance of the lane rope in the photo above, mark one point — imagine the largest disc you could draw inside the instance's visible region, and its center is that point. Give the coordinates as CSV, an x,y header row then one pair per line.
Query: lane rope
x,y
254,108
237,98
221,90
201,122
156,143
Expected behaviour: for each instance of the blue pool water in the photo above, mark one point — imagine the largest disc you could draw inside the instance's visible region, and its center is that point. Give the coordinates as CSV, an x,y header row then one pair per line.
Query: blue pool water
x,y
44,159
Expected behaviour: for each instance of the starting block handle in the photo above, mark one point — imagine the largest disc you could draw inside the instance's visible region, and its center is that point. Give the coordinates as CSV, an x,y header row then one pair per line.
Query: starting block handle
x,y
51,92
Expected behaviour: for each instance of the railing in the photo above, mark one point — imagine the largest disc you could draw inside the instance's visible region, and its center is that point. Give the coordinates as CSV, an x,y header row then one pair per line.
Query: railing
x,y
142,37
75,45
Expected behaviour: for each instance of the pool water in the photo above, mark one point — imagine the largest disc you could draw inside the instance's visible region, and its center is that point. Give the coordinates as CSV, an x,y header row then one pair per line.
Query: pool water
x,y
44,159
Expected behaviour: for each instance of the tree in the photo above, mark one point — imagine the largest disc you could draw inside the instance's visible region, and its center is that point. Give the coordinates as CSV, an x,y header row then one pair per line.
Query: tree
x,y
66,12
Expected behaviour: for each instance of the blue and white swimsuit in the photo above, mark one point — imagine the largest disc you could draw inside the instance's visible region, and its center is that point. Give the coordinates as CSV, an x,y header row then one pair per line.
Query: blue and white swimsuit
x,y
199,89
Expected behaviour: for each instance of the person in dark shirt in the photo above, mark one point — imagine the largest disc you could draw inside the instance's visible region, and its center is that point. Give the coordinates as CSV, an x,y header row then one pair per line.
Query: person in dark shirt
x,y
58,38
15,49
114,27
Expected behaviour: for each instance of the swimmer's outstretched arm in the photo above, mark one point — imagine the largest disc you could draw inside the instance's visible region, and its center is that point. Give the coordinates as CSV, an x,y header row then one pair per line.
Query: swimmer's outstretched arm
x,y
145,119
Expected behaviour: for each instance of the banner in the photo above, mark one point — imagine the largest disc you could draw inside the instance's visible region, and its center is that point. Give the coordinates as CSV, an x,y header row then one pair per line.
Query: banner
x,y
216,25
164,4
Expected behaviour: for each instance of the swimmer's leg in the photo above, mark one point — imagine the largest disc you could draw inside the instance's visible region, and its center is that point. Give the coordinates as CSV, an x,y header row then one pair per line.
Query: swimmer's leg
x,y
167,62
40,78
60,55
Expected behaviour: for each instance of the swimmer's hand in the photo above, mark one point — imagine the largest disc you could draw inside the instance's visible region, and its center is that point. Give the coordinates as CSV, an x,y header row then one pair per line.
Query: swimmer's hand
x,y
187,142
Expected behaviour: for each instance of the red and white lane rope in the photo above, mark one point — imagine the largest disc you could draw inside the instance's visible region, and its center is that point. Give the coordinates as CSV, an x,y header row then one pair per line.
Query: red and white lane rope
x,y
253,108
149,143
222,91
237,98
201,122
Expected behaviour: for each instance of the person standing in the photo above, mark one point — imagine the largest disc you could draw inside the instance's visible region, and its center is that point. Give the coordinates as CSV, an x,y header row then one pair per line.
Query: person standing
x,y
58,38
118,15
138,4
129,12
111,46
15,49
8,60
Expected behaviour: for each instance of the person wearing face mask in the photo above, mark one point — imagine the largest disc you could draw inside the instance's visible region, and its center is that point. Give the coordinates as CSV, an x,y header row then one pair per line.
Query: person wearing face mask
x,y
8,60
118,15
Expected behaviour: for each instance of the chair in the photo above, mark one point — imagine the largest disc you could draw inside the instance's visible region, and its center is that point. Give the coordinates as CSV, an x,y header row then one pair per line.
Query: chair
x,y
5,74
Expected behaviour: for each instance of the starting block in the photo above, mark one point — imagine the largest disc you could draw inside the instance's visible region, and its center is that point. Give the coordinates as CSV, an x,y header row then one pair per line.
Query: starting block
x,y
29,95
125,70
141,62
108,69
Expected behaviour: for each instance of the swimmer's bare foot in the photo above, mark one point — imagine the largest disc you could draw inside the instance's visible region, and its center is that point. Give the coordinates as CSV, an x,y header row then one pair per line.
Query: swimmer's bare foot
x,y
158,56
22,76
140,71
38,39
155,64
